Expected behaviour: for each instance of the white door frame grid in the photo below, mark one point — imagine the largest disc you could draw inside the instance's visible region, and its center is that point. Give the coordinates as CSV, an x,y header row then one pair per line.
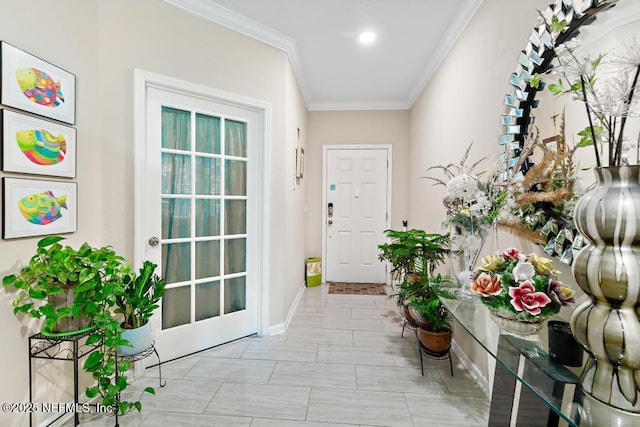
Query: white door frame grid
x,y
145,79
325,149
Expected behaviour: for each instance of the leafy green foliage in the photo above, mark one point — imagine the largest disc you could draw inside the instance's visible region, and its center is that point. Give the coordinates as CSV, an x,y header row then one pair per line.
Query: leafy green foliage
x,y
416,251
90,274
140,296
586,135
558,25
427,303
94,279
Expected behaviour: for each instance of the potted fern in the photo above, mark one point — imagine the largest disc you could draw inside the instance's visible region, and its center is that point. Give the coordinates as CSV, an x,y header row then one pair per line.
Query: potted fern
x,y
435,332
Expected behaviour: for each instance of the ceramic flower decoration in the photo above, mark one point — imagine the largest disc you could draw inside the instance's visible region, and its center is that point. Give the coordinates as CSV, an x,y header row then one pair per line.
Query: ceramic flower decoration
x,y
522,284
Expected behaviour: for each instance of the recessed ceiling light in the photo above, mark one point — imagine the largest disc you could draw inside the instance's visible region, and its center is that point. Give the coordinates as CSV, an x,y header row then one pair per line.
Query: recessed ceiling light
x,y
367,37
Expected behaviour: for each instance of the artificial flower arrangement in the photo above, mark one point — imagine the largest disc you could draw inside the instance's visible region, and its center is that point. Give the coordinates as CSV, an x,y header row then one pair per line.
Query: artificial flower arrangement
x,y
524,285
473,199
606,85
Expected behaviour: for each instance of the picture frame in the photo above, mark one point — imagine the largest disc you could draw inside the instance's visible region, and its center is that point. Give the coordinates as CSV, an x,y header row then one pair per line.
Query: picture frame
x,y
36,146
32,84
38,207
299,162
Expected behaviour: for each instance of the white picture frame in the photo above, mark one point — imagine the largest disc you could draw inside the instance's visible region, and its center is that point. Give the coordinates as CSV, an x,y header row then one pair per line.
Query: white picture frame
x,y
52,209
47,90
36,146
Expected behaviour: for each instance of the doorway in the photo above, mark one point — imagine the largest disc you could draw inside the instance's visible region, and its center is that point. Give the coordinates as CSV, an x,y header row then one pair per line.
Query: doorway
x,y
356,211
199,186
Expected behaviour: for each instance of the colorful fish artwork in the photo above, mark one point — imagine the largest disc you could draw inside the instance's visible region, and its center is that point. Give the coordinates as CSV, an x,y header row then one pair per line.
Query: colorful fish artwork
x,y
39,87
42,147
43,208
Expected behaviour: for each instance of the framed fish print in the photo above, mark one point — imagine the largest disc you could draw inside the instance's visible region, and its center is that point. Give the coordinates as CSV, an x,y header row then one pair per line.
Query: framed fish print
x,y
35,146
37,86
38,207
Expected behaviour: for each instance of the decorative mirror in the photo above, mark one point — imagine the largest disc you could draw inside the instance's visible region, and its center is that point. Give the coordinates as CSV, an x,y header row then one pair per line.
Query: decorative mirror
x,y
554,226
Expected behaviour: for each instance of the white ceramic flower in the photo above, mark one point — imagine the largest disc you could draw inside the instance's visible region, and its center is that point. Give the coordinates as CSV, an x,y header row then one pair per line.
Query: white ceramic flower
x,y
523,271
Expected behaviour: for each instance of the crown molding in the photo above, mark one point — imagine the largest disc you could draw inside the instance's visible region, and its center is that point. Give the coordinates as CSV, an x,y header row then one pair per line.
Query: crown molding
x,y
358,106
227,18
463,17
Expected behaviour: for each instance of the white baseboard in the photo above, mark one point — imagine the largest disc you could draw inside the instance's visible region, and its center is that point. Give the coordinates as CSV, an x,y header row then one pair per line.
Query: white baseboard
x,y
482,382
281,328
277,329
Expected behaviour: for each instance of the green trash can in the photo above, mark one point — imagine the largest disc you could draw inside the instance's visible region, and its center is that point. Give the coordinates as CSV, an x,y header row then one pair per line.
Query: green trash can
x,y
314,272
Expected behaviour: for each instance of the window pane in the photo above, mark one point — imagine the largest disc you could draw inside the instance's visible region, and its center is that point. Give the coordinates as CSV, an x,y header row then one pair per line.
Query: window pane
x,y
207,134
207,300
236,138
176,262
207,217
176,218
235,294
176,307
176,174
235,220
176,129
207,176
235,178
207,259
235,257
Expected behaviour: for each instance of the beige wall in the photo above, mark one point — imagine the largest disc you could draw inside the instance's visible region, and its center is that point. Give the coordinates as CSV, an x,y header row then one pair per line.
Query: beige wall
x,y
355,127
102,42
296,194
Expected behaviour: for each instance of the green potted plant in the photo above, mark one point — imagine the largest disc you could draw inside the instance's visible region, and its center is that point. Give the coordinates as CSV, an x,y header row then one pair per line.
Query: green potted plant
x,y
64,286
75,291
428,251
135,298
414,255
139,298
435,332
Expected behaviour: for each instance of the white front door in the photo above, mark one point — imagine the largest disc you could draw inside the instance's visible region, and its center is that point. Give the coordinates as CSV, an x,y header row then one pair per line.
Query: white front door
x,y
355,213
200,218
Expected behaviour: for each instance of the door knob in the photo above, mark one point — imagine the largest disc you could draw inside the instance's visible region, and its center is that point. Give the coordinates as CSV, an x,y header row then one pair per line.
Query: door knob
x,y
153,241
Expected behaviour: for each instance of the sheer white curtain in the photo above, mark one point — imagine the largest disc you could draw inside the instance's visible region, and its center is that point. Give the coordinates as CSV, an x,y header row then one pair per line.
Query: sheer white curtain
x,y
193,208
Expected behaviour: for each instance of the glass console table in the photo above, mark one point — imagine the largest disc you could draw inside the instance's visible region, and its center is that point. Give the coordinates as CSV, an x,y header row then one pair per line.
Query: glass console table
x,y
530,389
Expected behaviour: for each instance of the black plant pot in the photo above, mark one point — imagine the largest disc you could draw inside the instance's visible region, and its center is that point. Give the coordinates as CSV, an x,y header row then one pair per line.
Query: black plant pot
x,y
563,348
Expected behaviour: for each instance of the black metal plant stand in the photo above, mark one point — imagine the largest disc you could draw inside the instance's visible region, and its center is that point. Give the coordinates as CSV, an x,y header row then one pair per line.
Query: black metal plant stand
x,y
438,355
66,348
424,350
70,349
134,358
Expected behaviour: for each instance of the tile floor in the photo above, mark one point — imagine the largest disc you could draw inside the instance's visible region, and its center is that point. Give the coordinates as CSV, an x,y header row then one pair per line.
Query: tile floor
x,y
342,362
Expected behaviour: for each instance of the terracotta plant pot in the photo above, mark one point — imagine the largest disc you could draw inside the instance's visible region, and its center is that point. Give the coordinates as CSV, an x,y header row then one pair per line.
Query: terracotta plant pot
x,y
418,318
408,317
414,278
437,342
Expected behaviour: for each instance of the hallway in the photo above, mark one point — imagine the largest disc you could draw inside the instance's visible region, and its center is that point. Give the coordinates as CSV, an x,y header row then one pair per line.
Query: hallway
x,y
342,362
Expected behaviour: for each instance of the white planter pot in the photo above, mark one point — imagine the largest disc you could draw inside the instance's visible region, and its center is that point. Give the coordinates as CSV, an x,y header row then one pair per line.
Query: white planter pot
x,y
141,338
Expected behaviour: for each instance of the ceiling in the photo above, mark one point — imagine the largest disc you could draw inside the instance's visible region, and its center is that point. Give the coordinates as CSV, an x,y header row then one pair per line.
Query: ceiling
x,y
334,70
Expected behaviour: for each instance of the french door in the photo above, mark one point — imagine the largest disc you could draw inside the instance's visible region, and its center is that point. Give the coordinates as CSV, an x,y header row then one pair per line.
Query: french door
x,y
201,216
